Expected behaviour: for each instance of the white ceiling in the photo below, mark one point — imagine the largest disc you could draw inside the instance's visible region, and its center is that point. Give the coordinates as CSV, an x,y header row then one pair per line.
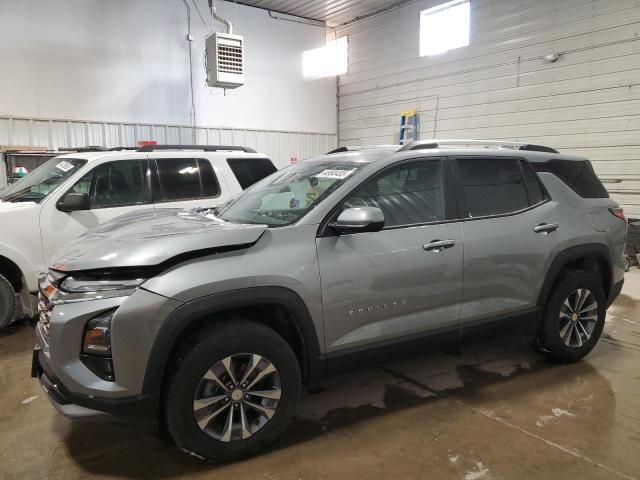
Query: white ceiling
x,y
333,12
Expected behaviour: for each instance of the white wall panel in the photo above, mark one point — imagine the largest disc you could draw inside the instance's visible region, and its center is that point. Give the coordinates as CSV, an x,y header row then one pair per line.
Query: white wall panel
x,y
281,146
499,87
128,61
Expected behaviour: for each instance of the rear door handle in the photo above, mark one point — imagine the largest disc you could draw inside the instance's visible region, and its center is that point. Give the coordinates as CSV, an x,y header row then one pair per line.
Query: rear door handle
x,y
438,245
546,228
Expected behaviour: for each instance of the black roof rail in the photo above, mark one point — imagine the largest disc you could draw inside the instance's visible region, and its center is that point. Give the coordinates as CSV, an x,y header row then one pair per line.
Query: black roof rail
x,y
358,148
205,148
537,148
90,148
338,150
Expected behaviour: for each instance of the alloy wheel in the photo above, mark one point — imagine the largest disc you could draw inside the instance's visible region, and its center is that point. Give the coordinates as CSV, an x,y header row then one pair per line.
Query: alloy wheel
x,y
237,397
578,318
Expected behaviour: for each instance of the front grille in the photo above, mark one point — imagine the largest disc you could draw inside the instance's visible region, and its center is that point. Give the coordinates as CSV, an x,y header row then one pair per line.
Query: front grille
x,y
48,288
44,312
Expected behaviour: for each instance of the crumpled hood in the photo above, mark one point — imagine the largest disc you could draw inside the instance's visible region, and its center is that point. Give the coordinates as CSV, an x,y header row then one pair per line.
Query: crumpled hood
x,y
151,237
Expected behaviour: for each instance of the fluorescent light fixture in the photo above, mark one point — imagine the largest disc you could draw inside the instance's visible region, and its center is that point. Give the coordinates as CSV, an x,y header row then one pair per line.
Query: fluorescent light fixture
x,y
327,61
445,27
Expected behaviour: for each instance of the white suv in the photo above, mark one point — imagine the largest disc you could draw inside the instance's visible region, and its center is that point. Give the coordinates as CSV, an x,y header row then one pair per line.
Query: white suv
x,y
73,193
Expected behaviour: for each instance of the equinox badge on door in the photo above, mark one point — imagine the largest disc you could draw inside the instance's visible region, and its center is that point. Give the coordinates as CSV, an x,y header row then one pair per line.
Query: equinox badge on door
x,y
375,308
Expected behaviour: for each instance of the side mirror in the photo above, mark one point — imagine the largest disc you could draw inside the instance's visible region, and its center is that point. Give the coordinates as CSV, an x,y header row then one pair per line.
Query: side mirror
x,y
72,202
359,219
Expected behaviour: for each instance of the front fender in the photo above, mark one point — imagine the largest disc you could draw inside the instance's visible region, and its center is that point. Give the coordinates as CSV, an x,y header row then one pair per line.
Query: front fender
x,y
27,268
191,312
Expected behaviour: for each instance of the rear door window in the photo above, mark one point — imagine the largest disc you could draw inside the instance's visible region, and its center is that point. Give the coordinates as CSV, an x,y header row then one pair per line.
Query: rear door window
x,y
250,170
186,179
492,186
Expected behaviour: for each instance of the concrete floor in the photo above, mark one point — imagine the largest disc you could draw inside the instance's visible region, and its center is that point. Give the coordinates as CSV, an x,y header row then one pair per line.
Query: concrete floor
x,y
494,411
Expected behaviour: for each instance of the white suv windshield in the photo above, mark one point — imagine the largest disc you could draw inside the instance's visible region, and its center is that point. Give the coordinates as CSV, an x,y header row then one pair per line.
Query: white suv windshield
x,y
287,195
42,181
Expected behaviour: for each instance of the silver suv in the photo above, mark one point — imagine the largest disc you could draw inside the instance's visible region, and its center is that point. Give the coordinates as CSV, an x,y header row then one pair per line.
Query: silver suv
x,y
207,322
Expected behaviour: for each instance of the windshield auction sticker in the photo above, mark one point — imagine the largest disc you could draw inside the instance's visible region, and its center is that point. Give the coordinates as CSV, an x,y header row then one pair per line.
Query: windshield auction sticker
x,y
65,166
339,174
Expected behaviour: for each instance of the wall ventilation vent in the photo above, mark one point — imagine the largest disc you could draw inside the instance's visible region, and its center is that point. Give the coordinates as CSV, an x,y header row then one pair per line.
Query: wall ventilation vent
x,y
225,60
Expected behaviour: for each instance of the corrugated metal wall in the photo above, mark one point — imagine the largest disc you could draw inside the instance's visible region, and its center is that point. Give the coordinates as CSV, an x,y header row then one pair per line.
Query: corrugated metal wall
x,y
279,145
499,87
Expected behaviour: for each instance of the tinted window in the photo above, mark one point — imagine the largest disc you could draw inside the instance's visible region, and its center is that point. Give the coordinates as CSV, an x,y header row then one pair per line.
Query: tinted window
x,y
186,179
115,184
492,186
407,195
534,189
578,175
251,170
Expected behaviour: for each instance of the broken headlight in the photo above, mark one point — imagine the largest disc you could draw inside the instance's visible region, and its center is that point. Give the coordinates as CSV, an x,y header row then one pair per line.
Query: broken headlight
x,y
76,289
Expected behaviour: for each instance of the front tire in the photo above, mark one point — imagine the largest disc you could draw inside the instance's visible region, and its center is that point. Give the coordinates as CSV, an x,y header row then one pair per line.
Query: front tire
x,y
233,391
7,302
574,317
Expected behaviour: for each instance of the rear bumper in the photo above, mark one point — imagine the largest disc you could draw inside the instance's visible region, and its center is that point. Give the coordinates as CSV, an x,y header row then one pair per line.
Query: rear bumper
x,y
616,288
140,410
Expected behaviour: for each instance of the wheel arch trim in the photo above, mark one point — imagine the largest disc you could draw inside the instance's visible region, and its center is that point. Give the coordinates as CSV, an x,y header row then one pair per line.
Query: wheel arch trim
x,y
22,265
185,316
564,257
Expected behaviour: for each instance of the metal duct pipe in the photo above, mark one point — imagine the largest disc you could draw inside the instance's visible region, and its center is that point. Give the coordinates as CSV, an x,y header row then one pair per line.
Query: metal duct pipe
x,y
189,37
219,18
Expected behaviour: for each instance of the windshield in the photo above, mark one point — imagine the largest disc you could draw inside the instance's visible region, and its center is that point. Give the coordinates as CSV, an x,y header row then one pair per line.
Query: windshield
x,y
286,196
42,181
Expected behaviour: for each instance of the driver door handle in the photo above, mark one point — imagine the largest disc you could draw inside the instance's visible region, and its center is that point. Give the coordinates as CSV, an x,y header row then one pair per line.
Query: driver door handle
x,y
438,245
546,228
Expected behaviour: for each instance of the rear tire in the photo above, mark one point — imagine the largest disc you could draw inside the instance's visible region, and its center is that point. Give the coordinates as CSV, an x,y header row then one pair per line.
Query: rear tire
x,y
574,317
239,422
7,302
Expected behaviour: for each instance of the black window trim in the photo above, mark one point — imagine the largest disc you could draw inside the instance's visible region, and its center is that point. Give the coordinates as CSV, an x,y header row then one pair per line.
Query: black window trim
x,y
545,193
450,200
463,212
146,167
157,183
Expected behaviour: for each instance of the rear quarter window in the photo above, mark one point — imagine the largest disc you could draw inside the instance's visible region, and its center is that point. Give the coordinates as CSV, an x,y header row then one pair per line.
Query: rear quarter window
x,y
250,170
577,174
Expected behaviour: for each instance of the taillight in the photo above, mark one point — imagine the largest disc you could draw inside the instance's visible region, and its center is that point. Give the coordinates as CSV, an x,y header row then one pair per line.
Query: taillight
x,y
618,212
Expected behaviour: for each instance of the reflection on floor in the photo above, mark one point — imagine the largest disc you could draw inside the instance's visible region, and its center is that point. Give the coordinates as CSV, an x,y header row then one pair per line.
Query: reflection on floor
x,y
493,411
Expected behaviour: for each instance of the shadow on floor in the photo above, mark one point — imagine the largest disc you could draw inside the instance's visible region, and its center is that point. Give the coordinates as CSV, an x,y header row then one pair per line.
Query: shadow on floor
x,y
508,370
